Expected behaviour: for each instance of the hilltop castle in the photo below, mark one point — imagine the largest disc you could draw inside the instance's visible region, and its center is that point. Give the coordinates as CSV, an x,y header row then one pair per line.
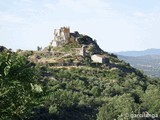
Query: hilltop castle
x,y
63,35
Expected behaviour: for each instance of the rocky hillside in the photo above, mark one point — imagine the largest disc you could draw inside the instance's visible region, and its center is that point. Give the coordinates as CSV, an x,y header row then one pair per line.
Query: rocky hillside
x,y
67,54
74,86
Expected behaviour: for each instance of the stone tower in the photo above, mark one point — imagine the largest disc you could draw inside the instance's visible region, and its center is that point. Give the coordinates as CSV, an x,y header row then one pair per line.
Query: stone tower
x,y
61,36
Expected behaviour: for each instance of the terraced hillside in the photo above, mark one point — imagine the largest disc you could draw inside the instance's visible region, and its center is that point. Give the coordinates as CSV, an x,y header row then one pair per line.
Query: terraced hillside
x,y
58,83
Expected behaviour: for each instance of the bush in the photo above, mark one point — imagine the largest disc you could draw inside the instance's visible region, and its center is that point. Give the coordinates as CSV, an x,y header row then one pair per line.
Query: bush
x,y
16,94
117,107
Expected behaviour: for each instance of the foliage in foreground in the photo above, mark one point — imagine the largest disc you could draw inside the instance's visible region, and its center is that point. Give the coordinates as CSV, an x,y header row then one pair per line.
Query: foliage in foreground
x,y
19,88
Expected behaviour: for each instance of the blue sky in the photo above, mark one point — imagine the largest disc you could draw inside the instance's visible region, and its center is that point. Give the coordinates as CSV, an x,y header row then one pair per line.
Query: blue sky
x,y
117,25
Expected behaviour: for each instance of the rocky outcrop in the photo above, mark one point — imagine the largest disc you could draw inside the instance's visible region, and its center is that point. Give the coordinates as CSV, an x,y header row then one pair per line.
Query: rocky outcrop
x,y
2,48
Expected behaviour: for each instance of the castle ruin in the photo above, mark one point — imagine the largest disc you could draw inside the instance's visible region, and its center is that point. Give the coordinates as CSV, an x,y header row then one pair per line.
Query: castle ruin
x,y
61,36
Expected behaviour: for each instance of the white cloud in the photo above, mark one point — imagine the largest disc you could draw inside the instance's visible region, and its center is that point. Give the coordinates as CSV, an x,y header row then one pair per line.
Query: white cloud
x,y
79,6
29,12
139,14
25,0
10,18
146,19
50,6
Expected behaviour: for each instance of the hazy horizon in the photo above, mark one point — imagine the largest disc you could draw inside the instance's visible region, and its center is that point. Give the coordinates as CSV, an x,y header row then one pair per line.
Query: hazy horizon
x,y
116,25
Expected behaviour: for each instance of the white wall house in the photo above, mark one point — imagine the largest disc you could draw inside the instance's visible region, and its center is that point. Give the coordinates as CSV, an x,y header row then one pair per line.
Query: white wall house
x,y
99,58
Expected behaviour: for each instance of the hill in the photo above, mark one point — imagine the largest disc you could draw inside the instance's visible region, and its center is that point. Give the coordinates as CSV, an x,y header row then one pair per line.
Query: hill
x,y
149,64
139,53
74,79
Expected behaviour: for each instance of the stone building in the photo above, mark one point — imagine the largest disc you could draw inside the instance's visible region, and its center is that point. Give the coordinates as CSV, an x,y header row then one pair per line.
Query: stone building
x,y
61,36
99,58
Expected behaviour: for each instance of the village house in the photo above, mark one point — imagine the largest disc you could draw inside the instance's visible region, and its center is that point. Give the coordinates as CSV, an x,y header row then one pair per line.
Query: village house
x,y
99,58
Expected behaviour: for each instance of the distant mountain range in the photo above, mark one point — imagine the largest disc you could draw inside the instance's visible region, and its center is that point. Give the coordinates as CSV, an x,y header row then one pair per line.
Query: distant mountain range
x,y
148,60
149,64
139,53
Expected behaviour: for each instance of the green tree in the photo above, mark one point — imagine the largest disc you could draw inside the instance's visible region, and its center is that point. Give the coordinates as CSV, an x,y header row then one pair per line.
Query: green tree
x,y
117,108
96,91
151,100
18,88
